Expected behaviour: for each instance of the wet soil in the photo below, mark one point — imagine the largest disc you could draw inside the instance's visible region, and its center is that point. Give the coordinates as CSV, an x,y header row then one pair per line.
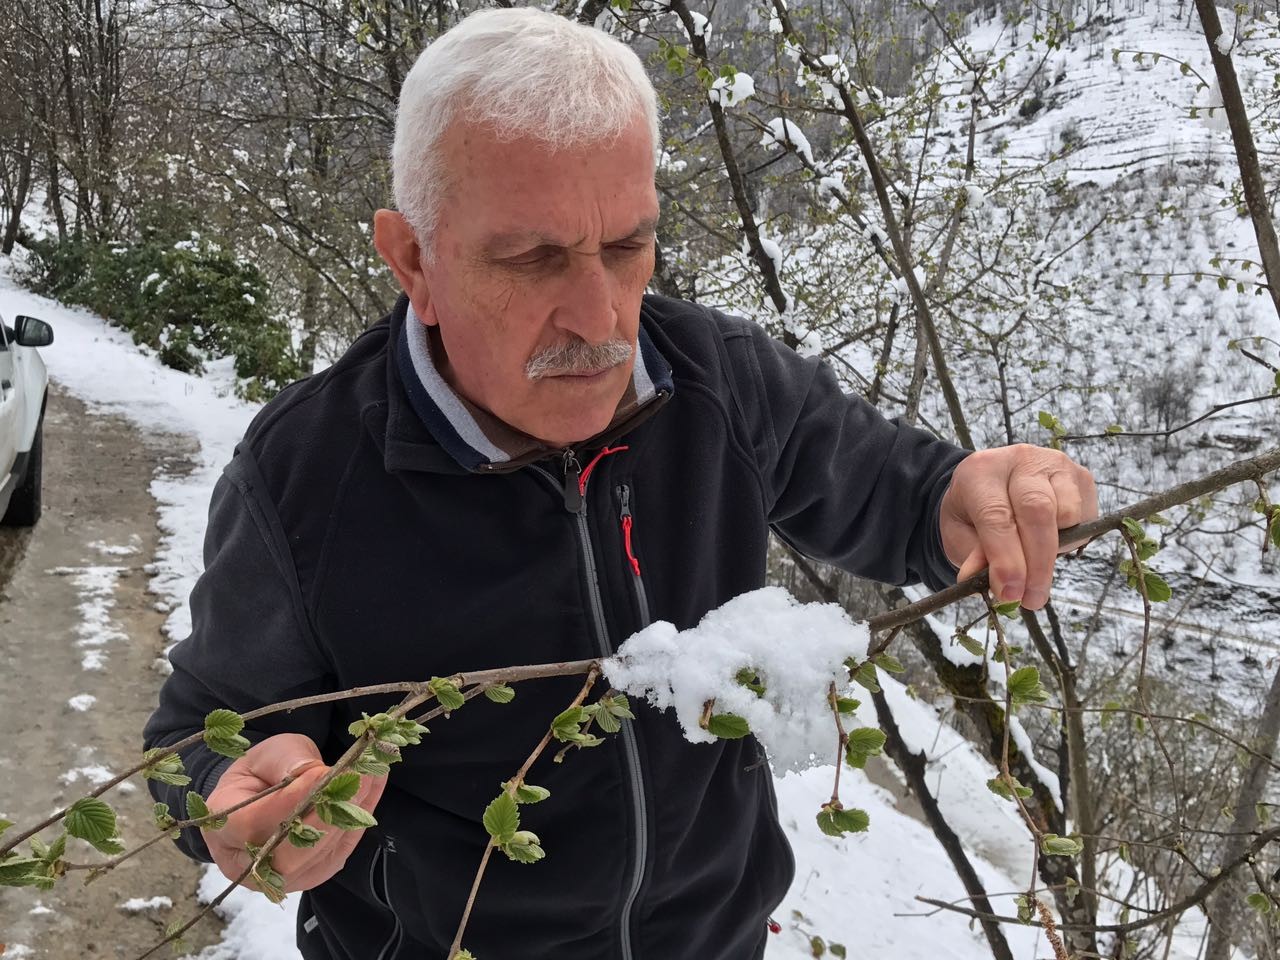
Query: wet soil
x,y
77,621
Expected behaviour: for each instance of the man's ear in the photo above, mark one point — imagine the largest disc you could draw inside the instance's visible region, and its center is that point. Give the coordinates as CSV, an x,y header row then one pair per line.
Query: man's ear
x,y
397,244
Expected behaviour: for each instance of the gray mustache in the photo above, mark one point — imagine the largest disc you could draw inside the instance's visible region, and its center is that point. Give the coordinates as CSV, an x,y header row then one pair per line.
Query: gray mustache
x,y
577,357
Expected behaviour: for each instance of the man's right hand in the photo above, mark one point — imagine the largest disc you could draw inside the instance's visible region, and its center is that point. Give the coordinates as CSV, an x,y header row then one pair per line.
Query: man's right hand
x,y
265,765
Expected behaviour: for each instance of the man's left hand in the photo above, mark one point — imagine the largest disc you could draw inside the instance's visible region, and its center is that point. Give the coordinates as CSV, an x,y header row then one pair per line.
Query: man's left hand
x,y
1003,511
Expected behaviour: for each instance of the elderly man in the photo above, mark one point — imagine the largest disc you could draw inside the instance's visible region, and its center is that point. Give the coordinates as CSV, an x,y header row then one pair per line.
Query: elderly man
x,y
527,461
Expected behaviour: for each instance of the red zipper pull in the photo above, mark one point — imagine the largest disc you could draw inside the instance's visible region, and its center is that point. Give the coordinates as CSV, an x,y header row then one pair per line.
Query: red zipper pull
x,y
773,925
624,492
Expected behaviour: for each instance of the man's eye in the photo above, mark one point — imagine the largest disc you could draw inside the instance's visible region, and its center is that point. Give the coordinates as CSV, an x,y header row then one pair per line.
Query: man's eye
x,y
625,249
530,259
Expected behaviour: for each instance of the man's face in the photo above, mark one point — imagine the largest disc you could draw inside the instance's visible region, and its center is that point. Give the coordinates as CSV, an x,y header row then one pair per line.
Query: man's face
x,y
536,252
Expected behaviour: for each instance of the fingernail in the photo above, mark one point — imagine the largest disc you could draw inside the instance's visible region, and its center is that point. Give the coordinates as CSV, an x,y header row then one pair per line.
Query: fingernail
x,y
1035,598
1012,591
301,765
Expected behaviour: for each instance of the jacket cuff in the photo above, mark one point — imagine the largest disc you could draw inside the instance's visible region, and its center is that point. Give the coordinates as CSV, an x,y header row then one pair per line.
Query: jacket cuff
x,y
939,572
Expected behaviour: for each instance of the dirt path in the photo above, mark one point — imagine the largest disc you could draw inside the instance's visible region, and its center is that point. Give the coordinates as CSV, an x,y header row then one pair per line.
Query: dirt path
x,y
76,621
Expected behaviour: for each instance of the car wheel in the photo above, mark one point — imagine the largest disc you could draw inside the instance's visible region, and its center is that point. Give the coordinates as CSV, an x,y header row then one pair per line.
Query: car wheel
x,y
24,505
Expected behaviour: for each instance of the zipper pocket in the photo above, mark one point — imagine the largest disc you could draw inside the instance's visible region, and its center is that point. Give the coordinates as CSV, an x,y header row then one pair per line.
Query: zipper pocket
x,y
378,870
627,521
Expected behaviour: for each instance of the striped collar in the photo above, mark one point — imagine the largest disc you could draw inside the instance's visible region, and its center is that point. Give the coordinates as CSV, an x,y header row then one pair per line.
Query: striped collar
x,y
478,440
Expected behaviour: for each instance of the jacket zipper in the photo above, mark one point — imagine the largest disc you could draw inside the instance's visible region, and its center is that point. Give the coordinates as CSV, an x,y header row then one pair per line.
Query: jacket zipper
x,y
576,504
392,946
624,517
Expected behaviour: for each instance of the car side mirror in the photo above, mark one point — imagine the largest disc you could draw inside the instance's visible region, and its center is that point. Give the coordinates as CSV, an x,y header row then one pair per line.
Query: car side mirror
x,y
30,332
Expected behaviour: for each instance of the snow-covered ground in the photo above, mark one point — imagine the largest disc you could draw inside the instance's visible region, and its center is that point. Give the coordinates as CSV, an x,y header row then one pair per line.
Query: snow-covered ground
x,y
858,890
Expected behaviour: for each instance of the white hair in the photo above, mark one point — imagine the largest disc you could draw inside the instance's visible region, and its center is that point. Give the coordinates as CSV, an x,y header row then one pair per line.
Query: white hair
x,y
522,73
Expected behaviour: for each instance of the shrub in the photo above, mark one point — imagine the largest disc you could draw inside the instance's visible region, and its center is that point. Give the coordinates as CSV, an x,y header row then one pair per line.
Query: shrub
x,y
190,301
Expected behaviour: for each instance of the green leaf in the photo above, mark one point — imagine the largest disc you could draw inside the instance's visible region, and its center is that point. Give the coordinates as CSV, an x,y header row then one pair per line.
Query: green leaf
x,y
971,645
344,815
864,742
619,706
5,825
57,849
1056,846
196,807
91,819
1263,812
1277,379
847,704
223,724
1009,610
162,817
467,954
342,787
837,950
303,834
835,821
233,747
607,722
727,726
1158,590
1025,687
270,883
23,872
524,847
377,759
1114,429
747,677
1134,528
178,943
112,846
998,786
1275,523
500,693
166,768
865,676
1024,908
888,663
566,725
528,793
1260,902
502,818
447,693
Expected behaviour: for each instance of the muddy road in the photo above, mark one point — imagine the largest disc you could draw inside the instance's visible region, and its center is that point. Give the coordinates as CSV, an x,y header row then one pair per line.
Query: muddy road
x,y
79,639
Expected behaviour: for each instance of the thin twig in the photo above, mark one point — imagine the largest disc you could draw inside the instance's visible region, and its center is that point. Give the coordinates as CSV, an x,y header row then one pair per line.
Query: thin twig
x,y
512,785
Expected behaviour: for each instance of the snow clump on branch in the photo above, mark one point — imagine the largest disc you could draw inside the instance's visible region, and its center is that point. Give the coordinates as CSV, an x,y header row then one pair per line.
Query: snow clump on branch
x,y
783,133
729,92
795,651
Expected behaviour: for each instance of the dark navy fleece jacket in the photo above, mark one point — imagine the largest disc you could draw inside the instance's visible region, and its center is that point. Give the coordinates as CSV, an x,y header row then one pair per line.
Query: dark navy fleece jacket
x,y
347,546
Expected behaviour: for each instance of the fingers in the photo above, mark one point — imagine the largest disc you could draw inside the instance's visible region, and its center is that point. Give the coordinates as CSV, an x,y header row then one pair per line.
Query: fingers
x,y
1004,510
301,867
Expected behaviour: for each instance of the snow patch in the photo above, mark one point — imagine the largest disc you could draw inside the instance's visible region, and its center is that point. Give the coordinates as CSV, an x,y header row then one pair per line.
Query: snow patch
x,y
82,702
152,905
682,670
730,92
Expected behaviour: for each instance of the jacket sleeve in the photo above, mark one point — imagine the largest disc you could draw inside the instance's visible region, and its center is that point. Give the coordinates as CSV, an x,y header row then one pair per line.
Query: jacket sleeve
x,y
842,484
250,643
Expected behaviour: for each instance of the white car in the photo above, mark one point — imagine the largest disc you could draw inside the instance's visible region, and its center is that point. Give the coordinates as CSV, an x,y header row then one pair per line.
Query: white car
x,y
23,387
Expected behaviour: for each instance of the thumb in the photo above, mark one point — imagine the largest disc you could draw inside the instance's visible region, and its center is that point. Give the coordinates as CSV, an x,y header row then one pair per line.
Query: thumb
x,y
284,755
973,564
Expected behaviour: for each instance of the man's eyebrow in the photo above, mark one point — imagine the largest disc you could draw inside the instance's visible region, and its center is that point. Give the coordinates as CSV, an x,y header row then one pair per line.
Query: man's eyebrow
x,y
518,240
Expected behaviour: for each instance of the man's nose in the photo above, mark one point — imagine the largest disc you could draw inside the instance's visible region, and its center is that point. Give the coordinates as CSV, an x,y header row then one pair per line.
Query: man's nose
x,y
586,299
